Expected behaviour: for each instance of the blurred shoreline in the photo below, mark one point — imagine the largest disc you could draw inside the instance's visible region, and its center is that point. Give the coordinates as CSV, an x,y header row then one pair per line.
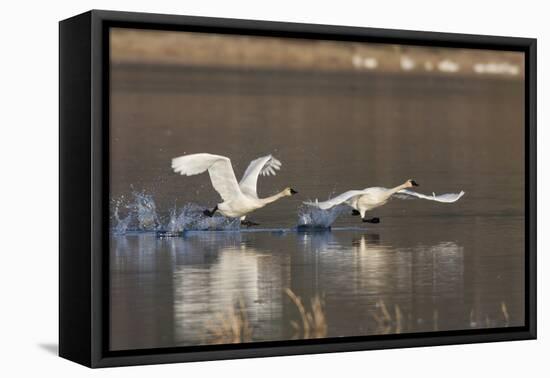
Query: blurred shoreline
x,y
148,47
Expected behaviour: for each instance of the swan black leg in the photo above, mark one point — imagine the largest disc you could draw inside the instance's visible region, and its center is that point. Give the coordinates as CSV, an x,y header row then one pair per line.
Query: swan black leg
x,y
372,220
355,212
248,223
209,213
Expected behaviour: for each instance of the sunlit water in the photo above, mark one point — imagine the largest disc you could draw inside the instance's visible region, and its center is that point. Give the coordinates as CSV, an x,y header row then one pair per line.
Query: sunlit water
x,y
427,266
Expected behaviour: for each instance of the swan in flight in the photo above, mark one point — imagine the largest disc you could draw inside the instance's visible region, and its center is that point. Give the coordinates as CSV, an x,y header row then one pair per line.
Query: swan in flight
x,y
239,198
367,199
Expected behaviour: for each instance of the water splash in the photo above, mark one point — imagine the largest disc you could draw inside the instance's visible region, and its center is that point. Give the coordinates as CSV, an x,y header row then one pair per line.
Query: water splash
x,y
145,211
311,217
175,222
138,215
192,218
141,214
121,224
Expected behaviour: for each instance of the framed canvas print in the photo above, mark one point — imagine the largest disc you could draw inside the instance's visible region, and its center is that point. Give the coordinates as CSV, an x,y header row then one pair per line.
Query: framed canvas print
x,y
233,188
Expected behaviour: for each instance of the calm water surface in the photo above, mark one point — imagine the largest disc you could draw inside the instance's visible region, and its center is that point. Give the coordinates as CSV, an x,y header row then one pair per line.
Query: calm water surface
x,y
430,266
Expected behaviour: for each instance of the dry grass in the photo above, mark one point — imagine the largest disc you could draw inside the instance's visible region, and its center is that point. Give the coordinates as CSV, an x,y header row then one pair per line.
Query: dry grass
x,y
231,327
504,310
391,320
314,323
386,321
478,320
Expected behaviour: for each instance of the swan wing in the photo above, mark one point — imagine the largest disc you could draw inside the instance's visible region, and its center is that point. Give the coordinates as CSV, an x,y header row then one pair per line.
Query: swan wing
x,y
325,205
219,168
265,166
447,197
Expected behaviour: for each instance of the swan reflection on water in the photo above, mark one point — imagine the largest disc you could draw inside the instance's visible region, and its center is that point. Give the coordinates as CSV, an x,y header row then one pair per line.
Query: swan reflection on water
x,y
189,281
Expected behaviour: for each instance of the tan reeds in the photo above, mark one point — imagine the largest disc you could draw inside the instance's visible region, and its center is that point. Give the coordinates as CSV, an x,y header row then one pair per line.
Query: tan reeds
x,y
398,318
231,327
314,324
504,310
386,323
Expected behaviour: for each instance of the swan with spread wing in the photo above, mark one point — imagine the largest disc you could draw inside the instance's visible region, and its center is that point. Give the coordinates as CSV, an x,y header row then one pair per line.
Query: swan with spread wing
x,y
365,200
239,198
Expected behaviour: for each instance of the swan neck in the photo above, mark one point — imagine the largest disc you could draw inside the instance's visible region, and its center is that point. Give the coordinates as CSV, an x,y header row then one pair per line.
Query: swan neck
x,y
398,188
273,198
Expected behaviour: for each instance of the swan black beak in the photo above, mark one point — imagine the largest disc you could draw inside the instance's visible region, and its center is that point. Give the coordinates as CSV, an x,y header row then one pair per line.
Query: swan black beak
x,y
292,191
414,183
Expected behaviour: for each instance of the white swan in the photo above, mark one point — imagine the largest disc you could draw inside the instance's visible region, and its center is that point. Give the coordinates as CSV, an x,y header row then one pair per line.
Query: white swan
x,y
239,198
367,199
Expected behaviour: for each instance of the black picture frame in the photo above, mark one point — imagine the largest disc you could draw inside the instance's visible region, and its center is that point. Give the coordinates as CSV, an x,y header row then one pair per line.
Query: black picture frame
x,y
84,188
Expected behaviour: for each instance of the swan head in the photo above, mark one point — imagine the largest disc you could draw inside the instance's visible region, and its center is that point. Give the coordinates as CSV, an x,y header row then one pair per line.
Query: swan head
x,y
289,192
411,183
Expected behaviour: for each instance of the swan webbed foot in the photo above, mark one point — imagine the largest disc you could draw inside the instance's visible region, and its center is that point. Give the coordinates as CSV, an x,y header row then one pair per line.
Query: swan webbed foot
x,y
248,223
372,220
355,212
209,213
